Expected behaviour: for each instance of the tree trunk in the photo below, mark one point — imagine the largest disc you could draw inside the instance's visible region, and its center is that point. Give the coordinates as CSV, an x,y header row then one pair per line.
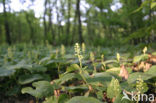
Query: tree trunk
x,y
50,27
19,31
6,24
79,21
68,22
90,31
74,28
30,27
44,20
58,21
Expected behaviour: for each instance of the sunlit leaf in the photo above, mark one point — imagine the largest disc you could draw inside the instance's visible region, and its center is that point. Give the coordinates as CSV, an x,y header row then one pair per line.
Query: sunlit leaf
x,y
81,99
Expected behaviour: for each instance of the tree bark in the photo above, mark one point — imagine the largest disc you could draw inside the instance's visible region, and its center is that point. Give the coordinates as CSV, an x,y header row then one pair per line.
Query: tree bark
x,y
30,27
68,22
90,31
79,21
74,28
58,21
44,20
6,24
50,27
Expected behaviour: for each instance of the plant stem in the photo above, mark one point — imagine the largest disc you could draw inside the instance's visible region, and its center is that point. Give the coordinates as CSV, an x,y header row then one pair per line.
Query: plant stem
x,y
37,100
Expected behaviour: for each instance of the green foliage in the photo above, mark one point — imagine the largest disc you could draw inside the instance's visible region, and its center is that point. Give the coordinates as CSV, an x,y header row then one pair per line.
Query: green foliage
x,y
141,87
139,58
42,89
6,72
133,77
62,99
81,99
27,79
103,77
113,89
145,76
73,67
107,23
66,77
51,99
34,65
153,4
53,79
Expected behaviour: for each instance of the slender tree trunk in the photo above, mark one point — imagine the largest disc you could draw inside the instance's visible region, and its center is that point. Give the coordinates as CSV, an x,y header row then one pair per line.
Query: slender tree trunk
x,y
89,29
74,28
58,21
61,26
50,27
19,31
150,13
68,22
44,20
149,22
6,24
79,22
58,25
30,27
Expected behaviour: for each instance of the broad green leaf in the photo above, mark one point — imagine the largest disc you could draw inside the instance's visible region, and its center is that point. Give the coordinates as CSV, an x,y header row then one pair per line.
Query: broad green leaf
x,y
26,79
153,4
139,58
30,67
20,65
152,70
42,89
37,68
61,99
68,56
44,60
126,86
145,76
72,68
114,70
6,72
82,99
114,88
134,76
51,99
56,61
111,61
154,53
103,77
66,77
75,88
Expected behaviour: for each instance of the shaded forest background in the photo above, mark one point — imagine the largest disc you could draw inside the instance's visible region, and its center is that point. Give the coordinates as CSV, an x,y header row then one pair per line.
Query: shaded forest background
x,y
98,24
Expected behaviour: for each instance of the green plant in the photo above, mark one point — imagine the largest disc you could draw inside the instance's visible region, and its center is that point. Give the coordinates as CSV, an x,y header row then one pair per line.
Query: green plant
x,y
141,87
54,77
92,58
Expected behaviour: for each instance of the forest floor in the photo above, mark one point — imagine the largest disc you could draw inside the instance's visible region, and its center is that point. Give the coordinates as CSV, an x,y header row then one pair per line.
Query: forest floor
x,y
47,74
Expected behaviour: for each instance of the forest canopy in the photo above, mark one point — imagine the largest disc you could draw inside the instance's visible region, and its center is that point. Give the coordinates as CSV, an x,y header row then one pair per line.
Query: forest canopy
x,y
95,22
